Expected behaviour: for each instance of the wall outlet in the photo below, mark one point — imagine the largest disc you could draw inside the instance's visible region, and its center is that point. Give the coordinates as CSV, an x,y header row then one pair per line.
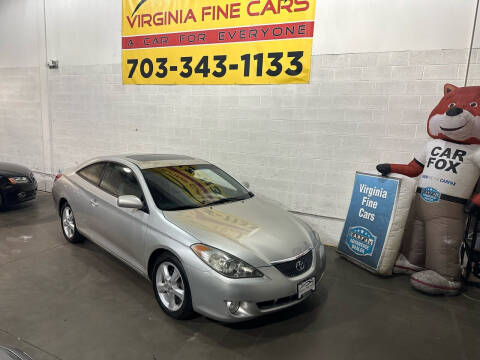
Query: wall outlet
x,y
52,64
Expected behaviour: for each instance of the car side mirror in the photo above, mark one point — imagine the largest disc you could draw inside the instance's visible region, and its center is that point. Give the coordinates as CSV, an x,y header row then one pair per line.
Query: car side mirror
x,y
246,184
129,202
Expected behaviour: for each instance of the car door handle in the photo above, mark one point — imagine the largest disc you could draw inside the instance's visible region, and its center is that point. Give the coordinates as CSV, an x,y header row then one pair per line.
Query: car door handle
x,y
94,203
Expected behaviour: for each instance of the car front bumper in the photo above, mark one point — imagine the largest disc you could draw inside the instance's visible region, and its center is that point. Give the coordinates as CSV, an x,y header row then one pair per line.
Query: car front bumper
x,y
212,292
14,194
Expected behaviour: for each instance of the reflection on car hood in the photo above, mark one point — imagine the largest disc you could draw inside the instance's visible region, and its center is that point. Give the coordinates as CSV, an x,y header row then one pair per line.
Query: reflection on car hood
x,y
7,169
254,230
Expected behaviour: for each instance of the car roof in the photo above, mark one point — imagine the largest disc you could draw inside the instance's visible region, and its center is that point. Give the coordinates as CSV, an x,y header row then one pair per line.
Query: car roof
x,y
157,157
148,161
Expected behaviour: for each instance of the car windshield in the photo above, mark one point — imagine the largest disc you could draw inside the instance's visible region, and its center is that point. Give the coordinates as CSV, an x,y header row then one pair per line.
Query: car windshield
x,y
192,186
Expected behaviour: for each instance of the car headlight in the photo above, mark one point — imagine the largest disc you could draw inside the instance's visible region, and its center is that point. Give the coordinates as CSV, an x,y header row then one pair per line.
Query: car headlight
x,y
224,263
18,180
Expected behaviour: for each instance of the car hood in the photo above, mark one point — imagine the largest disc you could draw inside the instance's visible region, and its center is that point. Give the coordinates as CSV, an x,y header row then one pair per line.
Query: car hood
x,y
254,230
7,169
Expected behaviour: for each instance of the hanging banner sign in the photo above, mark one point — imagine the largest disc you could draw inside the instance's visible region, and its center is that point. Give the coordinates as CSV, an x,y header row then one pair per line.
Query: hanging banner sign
x,y
217,42
369,218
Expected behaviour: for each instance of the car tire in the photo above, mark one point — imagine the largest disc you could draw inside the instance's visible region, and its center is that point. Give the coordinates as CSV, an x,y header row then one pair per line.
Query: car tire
x,y
69,227
169,283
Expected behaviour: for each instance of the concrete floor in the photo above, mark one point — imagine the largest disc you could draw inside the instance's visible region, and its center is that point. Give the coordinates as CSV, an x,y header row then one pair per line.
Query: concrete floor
x,y
60,301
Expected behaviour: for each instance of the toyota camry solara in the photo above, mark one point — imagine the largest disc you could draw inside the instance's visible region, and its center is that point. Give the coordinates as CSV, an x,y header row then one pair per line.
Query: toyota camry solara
x,y
206,243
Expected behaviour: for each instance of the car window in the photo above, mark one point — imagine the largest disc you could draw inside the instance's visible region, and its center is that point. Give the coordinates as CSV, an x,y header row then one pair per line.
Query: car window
x,y
192,186
120,180
92,172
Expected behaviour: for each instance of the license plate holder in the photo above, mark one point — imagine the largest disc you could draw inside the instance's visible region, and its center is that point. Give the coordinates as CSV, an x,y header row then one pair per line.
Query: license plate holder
x,y
306,287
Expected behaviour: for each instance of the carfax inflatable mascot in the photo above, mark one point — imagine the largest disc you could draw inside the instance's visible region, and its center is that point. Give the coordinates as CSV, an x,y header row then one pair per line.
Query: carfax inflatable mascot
x,y
449,168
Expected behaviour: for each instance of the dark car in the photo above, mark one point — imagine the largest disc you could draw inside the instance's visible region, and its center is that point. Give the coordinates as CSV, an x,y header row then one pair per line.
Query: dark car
x,y
17,184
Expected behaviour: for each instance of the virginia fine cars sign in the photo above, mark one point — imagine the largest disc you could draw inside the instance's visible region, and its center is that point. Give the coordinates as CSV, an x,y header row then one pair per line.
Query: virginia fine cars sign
x,y
212,42
369,217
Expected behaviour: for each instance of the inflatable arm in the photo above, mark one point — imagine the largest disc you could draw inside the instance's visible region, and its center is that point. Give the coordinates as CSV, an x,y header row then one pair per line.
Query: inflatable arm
x,y
413,169
476,199
473,204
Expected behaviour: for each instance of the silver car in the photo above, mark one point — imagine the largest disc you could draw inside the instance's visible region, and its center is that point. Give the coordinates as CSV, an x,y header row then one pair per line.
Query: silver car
x,y
13,354
207,244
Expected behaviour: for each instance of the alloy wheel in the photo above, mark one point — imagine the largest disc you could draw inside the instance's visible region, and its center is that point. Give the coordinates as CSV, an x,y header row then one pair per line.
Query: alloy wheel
x,y
68,222
170,286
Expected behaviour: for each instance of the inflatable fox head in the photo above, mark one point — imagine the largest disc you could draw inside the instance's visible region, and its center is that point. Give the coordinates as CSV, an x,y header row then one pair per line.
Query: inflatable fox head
x,y
457,117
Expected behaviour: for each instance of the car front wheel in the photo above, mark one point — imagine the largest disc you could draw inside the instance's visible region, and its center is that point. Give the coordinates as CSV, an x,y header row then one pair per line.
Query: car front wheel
x,y
171,288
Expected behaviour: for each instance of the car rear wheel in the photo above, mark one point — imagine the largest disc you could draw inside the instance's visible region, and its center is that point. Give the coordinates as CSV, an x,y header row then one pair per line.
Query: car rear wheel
x,y
170,285
69,227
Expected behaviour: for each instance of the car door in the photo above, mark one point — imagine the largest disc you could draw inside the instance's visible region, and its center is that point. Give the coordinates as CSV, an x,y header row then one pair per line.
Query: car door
x,y
122,230
82,199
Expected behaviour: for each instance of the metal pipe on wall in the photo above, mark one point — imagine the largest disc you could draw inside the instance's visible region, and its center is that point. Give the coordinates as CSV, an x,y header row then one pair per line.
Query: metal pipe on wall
x,y
45,104
471,43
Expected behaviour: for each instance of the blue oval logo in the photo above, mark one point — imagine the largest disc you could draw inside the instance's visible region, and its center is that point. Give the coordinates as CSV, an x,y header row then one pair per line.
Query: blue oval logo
x,y
361,240
430,195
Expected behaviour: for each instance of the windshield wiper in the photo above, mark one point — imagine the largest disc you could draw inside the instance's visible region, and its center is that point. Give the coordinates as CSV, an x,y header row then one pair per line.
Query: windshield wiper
x,y
185,207
216,202
227,200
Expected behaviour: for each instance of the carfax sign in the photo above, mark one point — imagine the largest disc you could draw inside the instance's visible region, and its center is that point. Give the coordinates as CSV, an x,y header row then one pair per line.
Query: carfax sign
x,y
369,217
217,42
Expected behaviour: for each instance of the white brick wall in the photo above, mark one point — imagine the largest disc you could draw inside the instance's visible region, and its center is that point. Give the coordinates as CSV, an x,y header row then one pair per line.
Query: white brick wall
x,y
21,133
20,117
300,144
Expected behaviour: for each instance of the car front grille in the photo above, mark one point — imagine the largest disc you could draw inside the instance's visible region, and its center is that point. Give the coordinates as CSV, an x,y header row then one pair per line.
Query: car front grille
x,y
297,266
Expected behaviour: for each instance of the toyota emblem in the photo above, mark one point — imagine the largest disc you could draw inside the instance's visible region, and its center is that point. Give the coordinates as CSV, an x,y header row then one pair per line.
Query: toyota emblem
x,y
300,265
